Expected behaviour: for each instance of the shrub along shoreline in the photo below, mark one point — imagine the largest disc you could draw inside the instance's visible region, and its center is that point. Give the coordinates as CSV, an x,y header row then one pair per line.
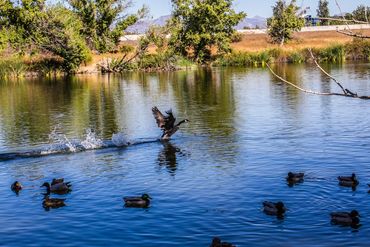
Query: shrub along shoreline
x,y
357,50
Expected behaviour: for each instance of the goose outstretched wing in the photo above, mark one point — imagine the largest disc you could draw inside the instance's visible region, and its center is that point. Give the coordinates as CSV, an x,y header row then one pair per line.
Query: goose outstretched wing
x,y
160,119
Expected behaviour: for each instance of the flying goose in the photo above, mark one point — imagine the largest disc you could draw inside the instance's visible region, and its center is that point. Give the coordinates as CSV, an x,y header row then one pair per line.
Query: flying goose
x,y
167,123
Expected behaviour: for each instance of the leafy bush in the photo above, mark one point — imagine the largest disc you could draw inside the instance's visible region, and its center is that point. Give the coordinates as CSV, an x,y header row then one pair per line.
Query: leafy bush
x,y
236,37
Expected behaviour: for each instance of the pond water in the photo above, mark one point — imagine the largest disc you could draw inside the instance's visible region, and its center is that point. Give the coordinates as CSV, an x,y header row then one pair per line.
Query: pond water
x,y
247,131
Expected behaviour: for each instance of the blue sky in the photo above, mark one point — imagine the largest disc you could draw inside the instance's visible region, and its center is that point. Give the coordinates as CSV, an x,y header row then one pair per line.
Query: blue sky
x,y
253,7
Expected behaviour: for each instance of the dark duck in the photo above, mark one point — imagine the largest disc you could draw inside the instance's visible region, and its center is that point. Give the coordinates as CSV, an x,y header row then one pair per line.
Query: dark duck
x,y
216,242
350,181
167,123
294,178
345,218
57,186
272,208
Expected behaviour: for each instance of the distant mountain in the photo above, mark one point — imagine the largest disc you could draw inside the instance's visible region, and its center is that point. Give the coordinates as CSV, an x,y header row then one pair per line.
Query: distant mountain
x,y
142,26
253,22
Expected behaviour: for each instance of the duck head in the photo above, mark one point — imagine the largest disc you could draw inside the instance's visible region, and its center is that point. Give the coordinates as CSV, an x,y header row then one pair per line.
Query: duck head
x,y
354,213
145,197
353,176
46,184
280,207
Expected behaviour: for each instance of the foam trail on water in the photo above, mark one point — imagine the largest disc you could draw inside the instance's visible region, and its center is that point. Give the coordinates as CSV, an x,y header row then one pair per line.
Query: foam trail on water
x,y
60,144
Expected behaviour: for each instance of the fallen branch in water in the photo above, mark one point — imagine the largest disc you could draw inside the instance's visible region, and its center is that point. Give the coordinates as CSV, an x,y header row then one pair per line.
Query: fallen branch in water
x,y
293,85
326,73
347,93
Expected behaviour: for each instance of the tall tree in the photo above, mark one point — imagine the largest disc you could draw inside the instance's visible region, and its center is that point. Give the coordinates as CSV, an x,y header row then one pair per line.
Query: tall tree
x,y
284,22
361,13
200,25
104,21
323,11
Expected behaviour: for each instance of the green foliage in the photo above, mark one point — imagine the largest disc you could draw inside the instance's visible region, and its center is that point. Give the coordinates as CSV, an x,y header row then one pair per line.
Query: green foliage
x,y
284,22
12,67
60,35
46,65
358,49
164,57
236,37
296,57
361,13
159,61
323,11
334,53
104,21
238,59
23,18
198,26
54,30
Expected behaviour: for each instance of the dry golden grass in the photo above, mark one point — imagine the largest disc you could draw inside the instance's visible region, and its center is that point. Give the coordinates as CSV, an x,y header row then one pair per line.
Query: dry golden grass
x,y
258,42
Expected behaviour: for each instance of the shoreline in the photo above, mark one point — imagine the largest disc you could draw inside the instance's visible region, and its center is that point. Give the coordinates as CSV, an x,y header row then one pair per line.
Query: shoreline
x,y
253,50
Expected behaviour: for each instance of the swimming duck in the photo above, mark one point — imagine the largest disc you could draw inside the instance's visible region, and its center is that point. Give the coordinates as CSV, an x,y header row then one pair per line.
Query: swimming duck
x,y
216,242
272,208
142,201
295,177
348,181
16,187
167,123
345,218
58,188
58,181
369,186
53,202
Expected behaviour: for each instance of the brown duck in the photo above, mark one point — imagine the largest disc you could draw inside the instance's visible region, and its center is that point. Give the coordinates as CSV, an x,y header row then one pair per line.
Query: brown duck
x,y
53,202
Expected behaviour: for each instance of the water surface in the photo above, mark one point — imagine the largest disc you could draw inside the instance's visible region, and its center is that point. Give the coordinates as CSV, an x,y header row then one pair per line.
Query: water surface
x,y
247,131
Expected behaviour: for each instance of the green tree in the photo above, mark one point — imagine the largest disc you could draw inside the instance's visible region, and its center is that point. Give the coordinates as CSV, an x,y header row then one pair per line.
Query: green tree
x,y
361,13
22,18
54,30
200,25
284,22
323,11
104,21
60,35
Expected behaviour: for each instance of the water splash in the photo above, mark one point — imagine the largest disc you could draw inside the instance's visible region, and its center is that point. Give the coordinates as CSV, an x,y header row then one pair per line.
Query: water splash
x,y
119,140
60,142
91,141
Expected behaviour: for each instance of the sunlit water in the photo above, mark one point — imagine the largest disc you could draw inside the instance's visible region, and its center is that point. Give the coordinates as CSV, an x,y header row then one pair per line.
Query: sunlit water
x,y
247,131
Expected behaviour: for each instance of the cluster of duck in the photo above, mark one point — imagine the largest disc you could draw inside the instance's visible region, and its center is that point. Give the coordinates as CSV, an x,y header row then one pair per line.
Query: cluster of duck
x,y
58,186
341,218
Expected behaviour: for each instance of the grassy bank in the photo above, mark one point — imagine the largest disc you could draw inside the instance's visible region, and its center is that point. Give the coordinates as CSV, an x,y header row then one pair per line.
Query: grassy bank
x,y
45,65
357,50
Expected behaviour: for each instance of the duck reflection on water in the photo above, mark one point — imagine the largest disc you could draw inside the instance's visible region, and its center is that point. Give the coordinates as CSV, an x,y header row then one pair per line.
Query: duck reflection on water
x,y
167,157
